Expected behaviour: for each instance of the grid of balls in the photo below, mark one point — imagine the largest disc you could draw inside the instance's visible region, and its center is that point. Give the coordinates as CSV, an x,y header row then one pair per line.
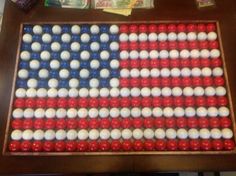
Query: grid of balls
x,y
127,87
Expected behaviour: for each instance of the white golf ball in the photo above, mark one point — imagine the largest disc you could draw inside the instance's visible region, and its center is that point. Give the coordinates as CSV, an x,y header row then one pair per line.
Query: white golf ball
x,y
134,54
104,73
168,112
114,82
82,113
56,29
137,134
85,55
55,64
37,29
191,36
126,134
161,37
85,38
94,83
36,47
182,133
93,134
143,37
193,133
94,29
16,135
61,134
83,134
93,92
201,112
66,38
171,133
104,134
38,135
220,91
224,112
135,112
190,112
227,133
157,112
45,55
123,37
172,36
46,38
71,134
61,113
62,92
114,112
27,38
216,133
41,92
55,46
74,64
75,46
31,92
211,36
75,29
104,92
49,135
18,113
25,55
23,74
94,64
73,92
104,37
160,133
20,93
104,55
115,134
217,71
152,37
148,133
64,73
204,133
201,36
182,36
114,29
188,91
94,46
212,112
83,92
50,113
124,92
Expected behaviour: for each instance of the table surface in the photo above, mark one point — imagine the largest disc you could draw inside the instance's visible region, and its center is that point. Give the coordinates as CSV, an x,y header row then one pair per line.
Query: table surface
x,y
225,13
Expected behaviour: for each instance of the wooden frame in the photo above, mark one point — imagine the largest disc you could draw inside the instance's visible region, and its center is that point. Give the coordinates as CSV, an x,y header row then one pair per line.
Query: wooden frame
x,y
5,152
168,10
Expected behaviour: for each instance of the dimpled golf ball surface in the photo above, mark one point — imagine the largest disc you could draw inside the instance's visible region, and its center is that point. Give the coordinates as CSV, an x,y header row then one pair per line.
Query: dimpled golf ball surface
x,y
120,88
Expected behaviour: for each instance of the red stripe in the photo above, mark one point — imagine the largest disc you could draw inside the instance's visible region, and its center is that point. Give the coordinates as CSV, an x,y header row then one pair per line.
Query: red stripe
x,y
121,123
170,63
122,145
121,102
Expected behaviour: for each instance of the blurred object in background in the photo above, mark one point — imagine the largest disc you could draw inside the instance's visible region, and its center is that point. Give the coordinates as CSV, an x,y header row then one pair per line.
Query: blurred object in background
x,y
205,3
122,11
79,4
1,22
25,4
122,4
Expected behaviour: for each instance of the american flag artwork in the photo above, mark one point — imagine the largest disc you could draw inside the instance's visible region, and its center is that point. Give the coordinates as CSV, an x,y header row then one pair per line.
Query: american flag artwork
x,y
120,88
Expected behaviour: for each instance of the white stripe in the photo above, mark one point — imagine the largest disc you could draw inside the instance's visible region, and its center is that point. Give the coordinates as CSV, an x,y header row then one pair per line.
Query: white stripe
x,y
106,134
125,112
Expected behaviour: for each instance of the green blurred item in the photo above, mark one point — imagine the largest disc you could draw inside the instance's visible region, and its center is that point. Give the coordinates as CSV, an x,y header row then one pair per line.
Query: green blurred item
x,y
79,4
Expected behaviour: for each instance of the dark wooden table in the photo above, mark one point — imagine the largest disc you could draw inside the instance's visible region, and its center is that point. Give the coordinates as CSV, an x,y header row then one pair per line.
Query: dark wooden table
x,y
225,12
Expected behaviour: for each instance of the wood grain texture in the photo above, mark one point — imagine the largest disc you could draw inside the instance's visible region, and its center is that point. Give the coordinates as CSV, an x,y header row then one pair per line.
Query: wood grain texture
x,y
225,13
